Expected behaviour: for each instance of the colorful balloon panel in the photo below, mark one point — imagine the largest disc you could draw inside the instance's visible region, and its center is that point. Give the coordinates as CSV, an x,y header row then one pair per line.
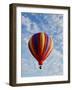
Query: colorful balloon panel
x,y
40,45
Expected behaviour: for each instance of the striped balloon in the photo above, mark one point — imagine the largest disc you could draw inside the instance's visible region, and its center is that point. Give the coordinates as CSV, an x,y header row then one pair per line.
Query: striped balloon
x,y
40,45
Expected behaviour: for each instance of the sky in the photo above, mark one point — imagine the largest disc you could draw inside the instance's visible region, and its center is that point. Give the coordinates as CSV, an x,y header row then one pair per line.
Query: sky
x,y
52,24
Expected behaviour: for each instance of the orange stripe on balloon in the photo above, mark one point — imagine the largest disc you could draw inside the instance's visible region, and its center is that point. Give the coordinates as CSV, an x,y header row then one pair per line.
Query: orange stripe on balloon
x,y
51,47
42,40
45,41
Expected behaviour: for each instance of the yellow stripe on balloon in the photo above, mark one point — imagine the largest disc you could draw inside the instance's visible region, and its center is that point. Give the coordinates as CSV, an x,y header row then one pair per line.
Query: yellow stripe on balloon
x,y
42,41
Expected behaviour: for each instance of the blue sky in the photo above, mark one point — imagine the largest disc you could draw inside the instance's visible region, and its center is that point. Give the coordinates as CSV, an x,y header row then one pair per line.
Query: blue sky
x,y
52,24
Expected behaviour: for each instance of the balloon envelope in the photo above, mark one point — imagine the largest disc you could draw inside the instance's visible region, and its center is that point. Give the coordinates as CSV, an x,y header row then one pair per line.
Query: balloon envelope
x,y
40,45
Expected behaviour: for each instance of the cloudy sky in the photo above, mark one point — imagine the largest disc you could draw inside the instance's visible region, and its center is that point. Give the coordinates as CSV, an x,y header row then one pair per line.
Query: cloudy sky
x,y
52,24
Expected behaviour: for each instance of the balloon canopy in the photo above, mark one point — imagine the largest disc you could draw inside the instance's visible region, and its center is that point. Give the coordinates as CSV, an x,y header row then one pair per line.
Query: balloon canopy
x,y
40,45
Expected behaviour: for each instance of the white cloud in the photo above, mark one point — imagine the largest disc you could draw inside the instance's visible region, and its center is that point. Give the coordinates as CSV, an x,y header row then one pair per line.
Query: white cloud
x,y
31,26
26,40
25,20
54,21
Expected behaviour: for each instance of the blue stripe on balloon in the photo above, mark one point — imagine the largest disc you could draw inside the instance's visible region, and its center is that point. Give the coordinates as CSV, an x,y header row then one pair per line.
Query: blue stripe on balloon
x,y
35,43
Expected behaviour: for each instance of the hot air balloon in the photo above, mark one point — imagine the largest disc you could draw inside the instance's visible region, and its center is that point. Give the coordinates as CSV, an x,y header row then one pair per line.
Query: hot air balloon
x,y
40,45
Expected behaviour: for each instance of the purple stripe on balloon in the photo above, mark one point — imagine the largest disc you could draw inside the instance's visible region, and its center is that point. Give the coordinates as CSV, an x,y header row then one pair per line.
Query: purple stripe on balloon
x,y
35,43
